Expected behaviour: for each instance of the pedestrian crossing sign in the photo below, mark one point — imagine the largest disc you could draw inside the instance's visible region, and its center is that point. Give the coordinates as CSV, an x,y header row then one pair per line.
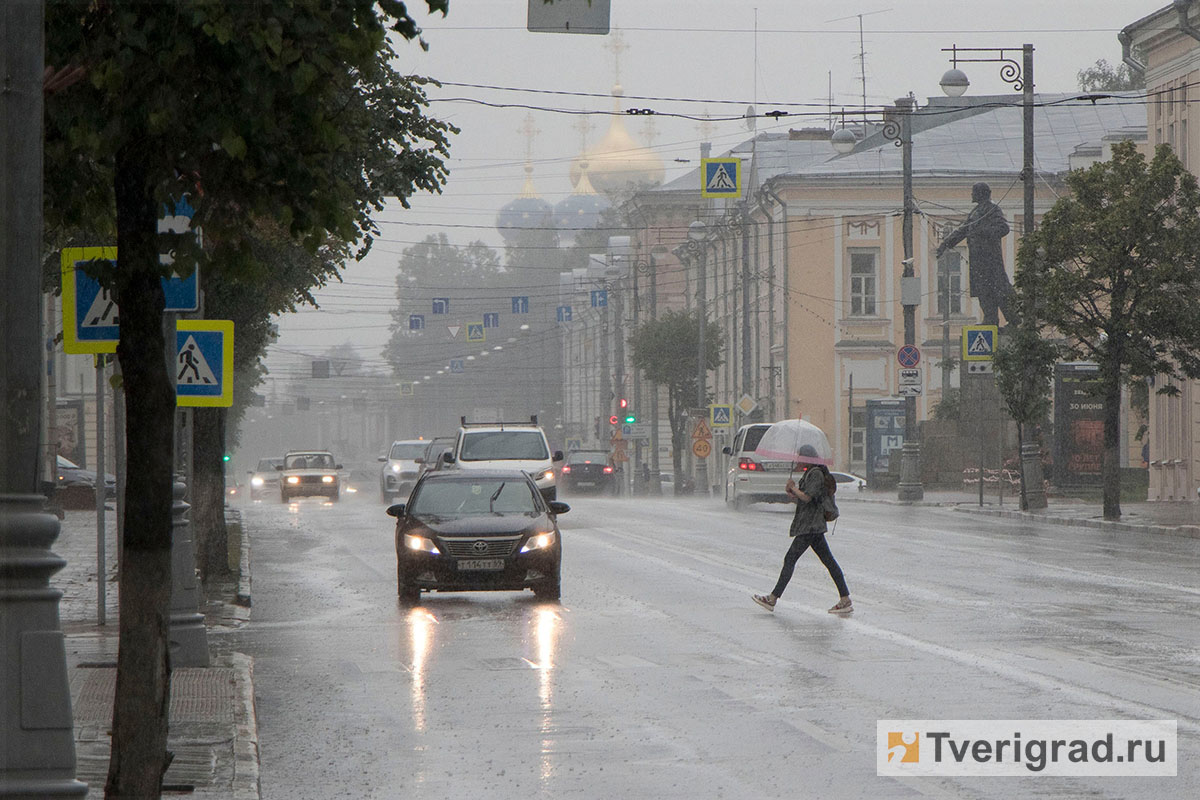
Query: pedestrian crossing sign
x,y
721,177
91,319
204,362
720,416
979,342
475,332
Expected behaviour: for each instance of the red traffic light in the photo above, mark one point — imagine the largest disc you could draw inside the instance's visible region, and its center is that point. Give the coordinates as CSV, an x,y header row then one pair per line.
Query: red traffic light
x,y
623,403
613,420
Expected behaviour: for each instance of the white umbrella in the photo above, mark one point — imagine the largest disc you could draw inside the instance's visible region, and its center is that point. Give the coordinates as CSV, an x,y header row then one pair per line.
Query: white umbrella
x,y
785,439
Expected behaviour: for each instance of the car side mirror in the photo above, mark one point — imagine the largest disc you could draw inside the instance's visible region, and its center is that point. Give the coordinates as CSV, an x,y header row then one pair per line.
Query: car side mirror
x,y
418,461
727,451
337,466
447,459
558,507
558,455
396,511
279,467
382,458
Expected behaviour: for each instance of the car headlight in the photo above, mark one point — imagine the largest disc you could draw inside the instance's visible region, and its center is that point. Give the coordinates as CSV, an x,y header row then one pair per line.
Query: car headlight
x,y
395,467
539,541
293,480
327,479
256,481
420,544
548,475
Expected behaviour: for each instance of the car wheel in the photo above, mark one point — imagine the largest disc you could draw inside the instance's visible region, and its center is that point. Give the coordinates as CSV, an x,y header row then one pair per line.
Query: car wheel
x,y
740,502
409,595
550,589
333,498
283,496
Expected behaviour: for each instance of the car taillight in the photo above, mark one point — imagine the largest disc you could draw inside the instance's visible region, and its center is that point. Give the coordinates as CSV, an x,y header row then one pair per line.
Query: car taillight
x,y
607,470
746,463
566,468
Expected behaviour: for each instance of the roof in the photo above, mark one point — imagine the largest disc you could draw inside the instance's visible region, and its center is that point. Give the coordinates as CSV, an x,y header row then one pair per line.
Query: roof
x,y
953,137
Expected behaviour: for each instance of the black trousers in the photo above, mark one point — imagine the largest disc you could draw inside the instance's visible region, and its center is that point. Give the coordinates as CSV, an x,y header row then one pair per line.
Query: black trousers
x,y
819,546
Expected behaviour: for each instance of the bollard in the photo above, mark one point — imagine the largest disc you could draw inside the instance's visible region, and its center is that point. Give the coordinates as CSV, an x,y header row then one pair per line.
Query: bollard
x,y
37,743
1031,468
188,638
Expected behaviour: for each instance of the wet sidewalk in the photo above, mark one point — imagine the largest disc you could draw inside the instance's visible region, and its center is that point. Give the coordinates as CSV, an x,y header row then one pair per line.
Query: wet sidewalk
x,y
213,731
1164,518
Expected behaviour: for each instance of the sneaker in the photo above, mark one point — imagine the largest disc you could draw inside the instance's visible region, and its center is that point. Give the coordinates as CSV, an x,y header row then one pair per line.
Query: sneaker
x,y
764,600
842,607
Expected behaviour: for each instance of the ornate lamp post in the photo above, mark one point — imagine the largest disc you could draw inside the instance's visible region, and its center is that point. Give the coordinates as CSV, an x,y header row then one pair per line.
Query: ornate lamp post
x,y
897,126
1020,75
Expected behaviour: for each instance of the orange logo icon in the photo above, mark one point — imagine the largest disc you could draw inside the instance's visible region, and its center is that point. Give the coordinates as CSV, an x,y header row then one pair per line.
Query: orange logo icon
x,y
904,747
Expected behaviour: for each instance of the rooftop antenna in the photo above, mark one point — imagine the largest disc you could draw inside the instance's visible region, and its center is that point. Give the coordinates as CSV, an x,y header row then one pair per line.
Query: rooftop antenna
x,y
862,53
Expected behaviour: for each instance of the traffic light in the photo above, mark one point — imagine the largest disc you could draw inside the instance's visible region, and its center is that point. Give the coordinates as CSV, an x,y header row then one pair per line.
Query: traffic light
x,y
623,403
631,418
225,457
614,419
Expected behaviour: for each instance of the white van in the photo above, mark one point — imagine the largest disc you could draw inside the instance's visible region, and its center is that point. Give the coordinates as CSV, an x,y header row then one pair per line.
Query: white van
x,y
507,445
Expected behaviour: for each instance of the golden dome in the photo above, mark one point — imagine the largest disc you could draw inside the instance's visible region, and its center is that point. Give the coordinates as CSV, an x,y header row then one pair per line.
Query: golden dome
x,y
618,162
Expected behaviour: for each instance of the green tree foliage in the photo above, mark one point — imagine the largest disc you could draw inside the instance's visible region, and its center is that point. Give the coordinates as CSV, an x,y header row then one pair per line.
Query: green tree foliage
x,y
1104,77
666,351
289,112
1122,279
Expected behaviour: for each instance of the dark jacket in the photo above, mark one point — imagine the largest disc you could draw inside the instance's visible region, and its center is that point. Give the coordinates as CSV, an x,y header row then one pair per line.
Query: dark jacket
x,y
810,516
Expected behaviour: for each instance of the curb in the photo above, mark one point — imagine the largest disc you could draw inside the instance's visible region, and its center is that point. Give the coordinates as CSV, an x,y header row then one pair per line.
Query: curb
x,y
1185,531
246,781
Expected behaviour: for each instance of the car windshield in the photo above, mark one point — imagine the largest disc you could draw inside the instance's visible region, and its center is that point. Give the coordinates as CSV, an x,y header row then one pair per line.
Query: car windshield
x,y
504,445
448,498
64,463
310,461
407,451
753,437
268,464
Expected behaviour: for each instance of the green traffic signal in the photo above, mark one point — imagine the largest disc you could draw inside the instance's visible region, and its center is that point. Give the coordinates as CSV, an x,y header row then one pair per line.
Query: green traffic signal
x,y
225,457
631,418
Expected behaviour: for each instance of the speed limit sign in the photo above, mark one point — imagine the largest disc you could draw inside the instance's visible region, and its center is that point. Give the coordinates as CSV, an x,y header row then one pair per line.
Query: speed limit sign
x,y
701,447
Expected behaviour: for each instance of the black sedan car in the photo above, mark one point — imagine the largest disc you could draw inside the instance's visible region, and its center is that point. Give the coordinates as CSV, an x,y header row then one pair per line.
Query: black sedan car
x,y
588,471
477,530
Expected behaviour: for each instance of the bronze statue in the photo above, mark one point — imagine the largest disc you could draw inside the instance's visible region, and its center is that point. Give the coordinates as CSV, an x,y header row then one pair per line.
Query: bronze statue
x,y
983,230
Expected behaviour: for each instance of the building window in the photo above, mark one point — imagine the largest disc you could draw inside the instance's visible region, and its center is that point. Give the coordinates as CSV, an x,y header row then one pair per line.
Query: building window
x,y
863,282
949,279
858,437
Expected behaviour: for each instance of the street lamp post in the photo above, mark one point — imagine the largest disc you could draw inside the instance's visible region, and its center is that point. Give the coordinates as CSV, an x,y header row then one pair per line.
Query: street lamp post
x,y
694,249
900,132
955,83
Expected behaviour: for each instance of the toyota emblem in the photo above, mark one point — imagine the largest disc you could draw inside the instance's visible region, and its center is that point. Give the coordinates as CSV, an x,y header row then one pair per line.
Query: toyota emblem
x,y
480,546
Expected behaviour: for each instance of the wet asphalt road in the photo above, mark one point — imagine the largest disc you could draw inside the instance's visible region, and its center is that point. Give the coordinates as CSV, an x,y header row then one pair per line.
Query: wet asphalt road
x,y
657,677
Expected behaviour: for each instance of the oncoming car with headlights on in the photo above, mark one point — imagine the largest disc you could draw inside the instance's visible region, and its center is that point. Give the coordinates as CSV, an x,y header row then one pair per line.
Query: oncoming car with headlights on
x,y
477,530
309,472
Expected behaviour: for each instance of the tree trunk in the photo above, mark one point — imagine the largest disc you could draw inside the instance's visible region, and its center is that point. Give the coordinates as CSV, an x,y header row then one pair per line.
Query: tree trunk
x,y
139,730
208,493
1024,504
1110,465
676,418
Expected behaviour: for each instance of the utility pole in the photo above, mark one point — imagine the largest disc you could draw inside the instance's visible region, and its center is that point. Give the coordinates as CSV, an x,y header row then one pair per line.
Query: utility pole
x,y
910,298
38,754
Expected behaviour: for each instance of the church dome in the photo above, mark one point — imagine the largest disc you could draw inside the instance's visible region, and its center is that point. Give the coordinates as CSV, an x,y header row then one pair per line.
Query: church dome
x,y
617,162
526,212
581,209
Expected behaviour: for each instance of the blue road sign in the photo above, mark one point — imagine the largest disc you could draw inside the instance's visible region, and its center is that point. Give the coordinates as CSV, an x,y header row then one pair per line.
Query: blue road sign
x,y
441,305
979,342
520,304
599,298
720,416
416,322
722,177
204,362
181,294
457,365
475,332
563,313
91,319
491,319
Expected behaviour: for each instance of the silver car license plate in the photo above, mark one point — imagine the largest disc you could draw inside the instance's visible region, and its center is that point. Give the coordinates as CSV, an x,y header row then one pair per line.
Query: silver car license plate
x,y
481,564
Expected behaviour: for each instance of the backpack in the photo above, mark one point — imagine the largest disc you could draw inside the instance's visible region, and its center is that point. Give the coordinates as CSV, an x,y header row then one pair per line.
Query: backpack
x,y
828,505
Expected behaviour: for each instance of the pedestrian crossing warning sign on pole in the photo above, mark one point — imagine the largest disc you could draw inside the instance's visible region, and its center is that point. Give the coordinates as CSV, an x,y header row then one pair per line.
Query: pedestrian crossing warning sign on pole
x,y
204,362
979,342
91,319
721,177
